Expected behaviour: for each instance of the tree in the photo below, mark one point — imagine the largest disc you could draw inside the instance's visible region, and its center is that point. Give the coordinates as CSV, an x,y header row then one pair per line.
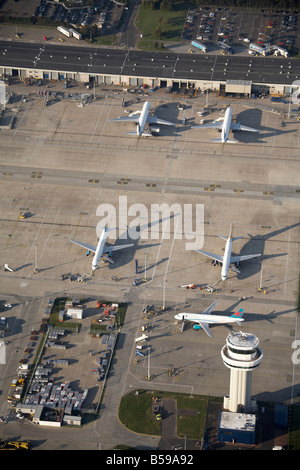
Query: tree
x,y
158,32
166,5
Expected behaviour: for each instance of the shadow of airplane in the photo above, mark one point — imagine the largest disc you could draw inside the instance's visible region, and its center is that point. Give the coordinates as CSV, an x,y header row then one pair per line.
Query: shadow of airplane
x,y
252,118
259,242
132,235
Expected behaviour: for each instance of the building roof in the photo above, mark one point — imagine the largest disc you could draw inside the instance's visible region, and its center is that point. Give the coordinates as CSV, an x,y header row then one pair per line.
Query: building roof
x,y
242,340
237,421
163,65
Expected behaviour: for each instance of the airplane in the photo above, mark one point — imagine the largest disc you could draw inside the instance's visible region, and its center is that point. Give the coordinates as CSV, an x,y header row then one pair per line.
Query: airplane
x,y
225,124
101,249
140,118
227,260
203,320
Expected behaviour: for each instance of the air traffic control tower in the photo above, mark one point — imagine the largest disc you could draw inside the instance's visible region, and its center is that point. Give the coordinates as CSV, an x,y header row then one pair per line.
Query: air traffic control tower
x,y
241,355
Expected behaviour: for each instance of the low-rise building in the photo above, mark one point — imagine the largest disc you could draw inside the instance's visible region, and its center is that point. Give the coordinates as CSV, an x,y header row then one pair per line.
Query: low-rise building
x,y
237,427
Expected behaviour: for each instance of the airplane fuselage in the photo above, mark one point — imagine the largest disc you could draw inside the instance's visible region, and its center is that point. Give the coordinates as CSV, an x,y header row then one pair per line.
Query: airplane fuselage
x,y
196,317
226,259
226,124
143,118
99,249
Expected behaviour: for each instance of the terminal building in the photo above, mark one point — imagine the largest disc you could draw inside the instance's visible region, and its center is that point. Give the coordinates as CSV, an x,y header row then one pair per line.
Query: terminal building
x,y
121,67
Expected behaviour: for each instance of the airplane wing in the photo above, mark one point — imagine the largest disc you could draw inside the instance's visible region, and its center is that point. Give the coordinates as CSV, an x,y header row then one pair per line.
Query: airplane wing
x,y
211,255
126,119
211,307
227,141
240,127
109,249
210,125
205,327
143,134
235,259
85,245
156,120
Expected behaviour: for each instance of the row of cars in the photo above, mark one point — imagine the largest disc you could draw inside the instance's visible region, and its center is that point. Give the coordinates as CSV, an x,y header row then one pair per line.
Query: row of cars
x,y
76,16
224,27
282,34
41,9
206,27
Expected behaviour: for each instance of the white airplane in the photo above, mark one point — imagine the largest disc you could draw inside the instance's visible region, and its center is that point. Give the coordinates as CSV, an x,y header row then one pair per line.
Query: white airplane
x,y
8,268
101,249
203,320
225,124
140,118
227,260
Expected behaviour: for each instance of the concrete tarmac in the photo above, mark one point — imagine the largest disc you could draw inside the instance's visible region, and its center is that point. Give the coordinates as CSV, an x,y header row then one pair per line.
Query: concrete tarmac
x,y
65,165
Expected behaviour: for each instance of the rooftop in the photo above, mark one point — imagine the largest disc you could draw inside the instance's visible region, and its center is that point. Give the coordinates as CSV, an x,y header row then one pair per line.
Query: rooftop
x,y
242,340
237,421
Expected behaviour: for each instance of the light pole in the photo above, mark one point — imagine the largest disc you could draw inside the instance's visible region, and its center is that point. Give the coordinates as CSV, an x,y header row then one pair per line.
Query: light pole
x,y
149,377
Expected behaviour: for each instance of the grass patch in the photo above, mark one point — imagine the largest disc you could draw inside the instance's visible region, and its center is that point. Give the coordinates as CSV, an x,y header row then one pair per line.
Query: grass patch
x,y
156,24
104,40
192,426
135,413
59,304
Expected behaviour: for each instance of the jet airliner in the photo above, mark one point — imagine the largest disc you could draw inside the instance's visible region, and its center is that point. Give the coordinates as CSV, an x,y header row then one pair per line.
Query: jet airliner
x,y
203,320
101,249
140,118
225,124
227,261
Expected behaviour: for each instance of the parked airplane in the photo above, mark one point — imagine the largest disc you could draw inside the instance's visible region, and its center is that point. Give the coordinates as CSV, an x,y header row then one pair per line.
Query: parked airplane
x,y
203,320
227,260
225,124
140,118
101,249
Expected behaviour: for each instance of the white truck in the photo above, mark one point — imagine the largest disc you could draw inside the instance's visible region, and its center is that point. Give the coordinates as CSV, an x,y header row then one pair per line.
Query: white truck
x,y
141,338
64,31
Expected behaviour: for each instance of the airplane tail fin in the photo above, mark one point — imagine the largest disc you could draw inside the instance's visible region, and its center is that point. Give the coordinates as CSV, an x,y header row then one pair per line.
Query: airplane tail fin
x,y
238,315
230,234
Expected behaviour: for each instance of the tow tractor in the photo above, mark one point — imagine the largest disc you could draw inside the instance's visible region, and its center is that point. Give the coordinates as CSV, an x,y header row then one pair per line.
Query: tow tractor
x,y
14,445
